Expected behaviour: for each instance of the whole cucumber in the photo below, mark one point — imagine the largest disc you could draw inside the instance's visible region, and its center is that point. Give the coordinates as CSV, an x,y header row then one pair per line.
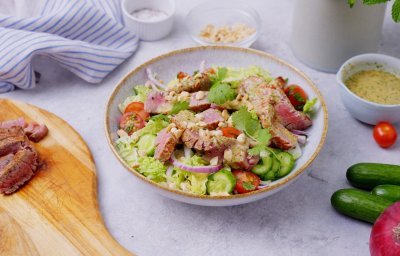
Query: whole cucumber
x,y
370,175
389,192
359,204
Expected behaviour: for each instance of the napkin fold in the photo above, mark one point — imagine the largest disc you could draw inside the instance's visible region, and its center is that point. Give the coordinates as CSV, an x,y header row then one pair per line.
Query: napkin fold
x,y
86,37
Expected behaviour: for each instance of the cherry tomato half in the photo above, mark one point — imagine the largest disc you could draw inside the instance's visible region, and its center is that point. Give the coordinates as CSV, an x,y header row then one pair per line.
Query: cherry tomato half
x,y
230,132
137,107
245,181
181,75
297,96
385,134
131,122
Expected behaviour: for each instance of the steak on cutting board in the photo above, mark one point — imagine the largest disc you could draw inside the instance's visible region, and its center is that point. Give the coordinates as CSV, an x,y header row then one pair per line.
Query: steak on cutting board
x,y
19,160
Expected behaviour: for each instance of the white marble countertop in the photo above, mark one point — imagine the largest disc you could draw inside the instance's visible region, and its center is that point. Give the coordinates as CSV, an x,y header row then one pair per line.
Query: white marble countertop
x,y
296,221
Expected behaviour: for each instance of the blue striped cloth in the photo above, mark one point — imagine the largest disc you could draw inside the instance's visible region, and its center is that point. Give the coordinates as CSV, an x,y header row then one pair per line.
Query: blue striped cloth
x,y
86,37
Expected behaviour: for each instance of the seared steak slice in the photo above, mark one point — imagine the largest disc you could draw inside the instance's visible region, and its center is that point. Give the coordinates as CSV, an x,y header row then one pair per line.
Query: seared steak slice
x,y
36,132
15,131
211,117
198,82
184,118
262,97
190,137
165,145
4,160
198,103
157,103
19,170
20,122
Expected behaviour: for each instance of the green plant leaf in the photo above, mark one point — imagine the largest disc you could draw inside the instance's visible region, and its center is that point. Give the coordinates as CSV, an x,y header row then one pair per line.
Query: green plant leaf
x,y
371,2
178,106
396,11
351,3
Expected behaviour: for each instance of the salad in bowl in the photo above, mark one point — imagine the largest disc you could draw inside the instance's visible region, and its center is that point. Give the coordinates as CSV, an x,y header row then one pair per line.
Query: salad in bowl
x,y
214,131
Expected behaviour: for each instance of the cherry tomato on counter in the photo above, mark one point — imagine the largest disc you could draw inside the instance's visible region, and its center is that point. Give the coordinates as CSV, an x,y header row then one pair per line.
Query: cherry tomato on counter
x,y
245,181
385,134
297,96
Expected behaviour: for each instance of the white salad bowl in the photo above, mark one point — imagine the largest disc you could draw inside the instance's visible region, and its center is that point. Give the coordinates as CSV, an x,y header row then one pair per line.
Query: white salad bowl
x,y
167,66
364,110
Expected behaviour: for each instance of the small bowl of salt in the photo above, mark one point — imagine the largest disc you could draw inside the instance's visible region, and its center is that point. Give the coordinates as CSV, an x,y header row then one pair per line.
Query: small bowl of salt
x,y
151,19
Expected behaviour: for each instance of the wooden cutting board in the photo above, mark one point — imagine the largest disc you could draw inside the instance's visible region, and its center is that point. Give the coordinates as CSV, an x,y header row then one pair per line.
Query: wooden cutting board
x,y
56,213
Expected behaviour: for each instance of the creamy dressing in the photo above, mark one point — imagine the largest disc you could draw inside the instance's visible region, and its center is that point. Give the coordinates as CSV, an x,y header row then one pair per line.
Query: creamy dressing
x,y
376,85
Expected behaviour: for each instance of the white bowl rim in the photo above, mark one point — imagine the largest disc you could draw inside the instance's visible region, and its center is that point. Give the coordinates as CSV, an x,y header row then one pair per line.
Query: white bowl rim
x,y
250,39
374,57
130,16
280,183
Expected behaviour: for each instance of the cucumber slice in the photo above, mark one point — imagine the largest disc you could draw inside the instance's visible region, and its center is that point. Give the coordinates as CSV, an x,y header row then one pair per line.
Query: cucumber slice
x,y
276,165
287,163
221,182
269,176
146,143
260,169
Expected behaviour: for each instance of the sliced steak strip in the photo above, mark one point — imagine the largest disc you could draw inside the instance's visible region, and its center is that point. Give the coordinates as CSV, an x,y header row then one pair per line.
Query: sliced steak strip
x,y
165,145
197,103
198,82
36,132
262,97
157,103
211,117
20,122
5,160
19,170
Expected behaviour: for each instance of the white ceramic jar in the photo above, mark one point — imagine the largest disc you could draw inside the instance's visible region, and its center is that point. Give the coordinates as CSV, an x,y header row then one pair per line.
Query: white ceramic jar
x,y
328,32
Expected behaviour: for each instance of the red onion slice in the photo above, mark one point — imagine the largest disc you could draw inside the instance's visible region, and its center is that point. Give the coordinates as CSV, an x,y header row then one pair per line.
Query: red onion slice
x,y
153,80
298,132
198,169
202,66
169,171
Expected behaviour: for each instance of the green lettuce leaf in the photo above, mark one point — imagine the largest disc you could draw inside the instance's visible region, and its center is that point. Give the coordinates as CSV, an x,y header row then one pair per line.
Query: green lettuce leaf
x,y
235,75
126,149
140,94
152,168
309,106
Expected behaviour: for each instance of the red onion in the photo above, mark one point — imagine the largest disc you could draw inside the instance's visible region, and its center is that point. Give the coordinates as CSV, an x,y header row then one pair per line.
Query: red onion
x,y
385,235
153,80
198,169
169,171
298,132
202,66
302,139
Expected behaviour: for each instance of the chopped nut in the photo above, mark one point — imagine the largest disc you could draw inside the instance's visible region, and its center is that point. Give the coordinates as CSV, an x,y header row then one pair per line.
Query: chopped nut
x,y
200,95
241,138
214,161
173,129
184,124
177,133
202,132
222,124
225,114
191,125
202,124
217,133
185,94
228,155
200,116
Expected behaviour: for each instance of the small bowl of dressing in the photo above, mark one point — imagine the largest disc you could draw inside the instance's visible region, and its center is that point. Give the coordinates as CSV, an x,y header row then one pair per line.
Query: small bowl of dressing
x,y
151,19
369,86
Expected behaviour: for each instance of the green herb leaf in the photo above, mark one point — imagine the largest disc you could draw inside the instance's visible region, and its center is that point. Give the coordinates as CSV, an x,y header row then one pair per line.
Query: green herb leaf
x,y
221,93
248,185
309,106
351,3
244,121
396,11
160,117
256,150
179,106
263,136
371,2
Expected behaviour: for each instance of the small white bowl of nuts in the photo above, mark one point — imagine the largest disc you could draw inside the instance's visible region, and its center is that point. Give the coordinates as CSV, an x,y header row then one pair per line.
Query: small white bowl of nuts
x,y
223,23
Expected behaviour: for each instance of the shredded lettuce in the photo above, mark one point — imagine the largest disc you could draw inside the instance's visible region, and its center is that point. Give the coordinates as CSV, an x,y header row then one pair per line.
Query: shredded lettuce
x,y
153,127
140,94
309,106
152,168
235,75
189,181
127,150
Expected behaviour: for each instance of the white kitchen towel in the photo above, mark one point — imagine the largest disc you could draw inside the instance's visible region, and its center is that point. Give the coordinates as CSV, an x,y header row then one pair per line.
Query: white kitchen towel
x,y
86,37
